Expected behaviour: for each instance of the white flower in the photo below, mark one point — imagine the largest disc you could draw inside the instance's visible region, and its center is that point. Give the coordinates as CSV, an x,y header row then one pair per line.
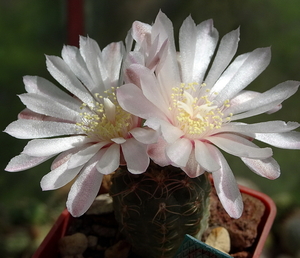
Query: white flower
x,y
89,130
196,109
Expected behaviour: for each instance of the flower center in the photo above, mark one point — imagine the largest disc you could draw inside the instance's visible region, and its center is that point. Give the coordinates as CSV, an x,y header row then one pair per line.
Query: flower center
x,y
105,119
195,116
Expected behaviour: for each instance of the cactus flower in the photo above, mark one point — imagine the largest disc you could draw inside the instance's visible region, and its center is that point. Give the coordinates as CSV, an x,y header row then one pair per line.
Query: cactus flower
x,y
87,127
196,97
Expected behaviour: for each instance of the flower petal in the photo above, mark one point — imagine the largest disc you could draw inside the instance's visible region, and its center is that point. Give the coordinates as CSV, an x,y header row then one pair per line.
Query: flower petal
x,y
48,147
179,151
225,53
274,96
23,162
59,177
110,160
192,168
255,63
169,132
131,99
268,168
135,155
239,146
85,189
41,86
144,135
204,157
203,38
288,140
47,106
157,152
226,187
28,129
62,73
84,155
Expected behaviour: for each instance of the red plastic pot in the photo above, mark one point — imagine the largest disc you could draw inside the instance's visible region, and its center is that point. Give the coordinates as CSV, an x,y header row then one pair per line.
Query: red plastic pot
x,y
49,247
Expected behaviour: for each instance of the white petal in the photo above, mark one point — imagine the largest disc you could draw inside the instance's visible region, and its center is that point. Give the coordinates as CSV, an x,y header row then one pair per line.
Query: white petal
x,y
144,135
75,61
179,151
41,86
59,177
256,62
135,155
265,100
131,99
47,147
288,140
268,168
169,132
84,155
91,54
140,32
118,140
225,53
226,187
228,74
85,189
62,73
47,106
112,55
23,162
110,160
239,146
263,127
204,157
28,129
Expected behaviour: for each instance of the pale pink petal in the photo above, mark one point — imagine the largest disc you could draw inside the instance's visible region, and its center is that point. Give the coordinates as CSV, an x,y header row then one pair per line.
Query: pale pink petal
x,y
288,140
59,177
75,61
268,168
179,151
272,97
110,160
204,157
169,132
144,135
157,152
254,65
197,45
140,32
28,129
48,147
226,50
112,55
226,187
135,155
84,155
131,99
62,73
23,162
45,105
192,168
239,146
263,127
85,189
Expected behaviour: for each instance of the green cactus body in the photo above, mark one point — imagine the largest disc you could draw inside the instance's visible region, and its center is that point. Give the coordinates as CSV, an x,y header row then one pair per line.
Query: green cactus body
x,y
157,208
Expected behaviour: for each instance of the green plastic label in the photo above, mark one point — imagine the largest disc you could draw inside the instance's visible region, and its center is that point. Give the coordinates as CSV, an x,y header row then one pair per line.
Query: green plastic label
x,y
193,248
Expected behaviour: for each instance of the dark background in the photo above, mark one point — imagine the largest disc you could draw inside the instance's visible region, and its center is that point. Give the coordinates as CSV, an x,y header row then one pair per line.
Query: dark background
x,y
32,28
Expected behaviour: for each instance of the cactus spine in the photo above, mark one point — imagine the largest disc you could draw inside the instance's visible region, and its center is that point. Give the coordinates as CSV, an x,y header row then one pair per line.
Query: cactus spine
x,y
157,208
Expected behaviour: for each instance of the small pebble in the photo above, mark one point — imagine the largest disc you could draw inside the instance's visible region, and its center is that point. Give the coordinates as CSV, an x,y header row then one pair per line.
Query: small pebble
x,y
101,205
219,238
73,245
92,241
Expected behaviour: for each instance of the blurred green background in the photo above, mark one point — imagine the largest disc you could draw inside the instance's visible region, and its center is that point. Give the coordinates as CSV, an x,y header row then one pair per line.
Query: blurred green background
x,y
31,28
